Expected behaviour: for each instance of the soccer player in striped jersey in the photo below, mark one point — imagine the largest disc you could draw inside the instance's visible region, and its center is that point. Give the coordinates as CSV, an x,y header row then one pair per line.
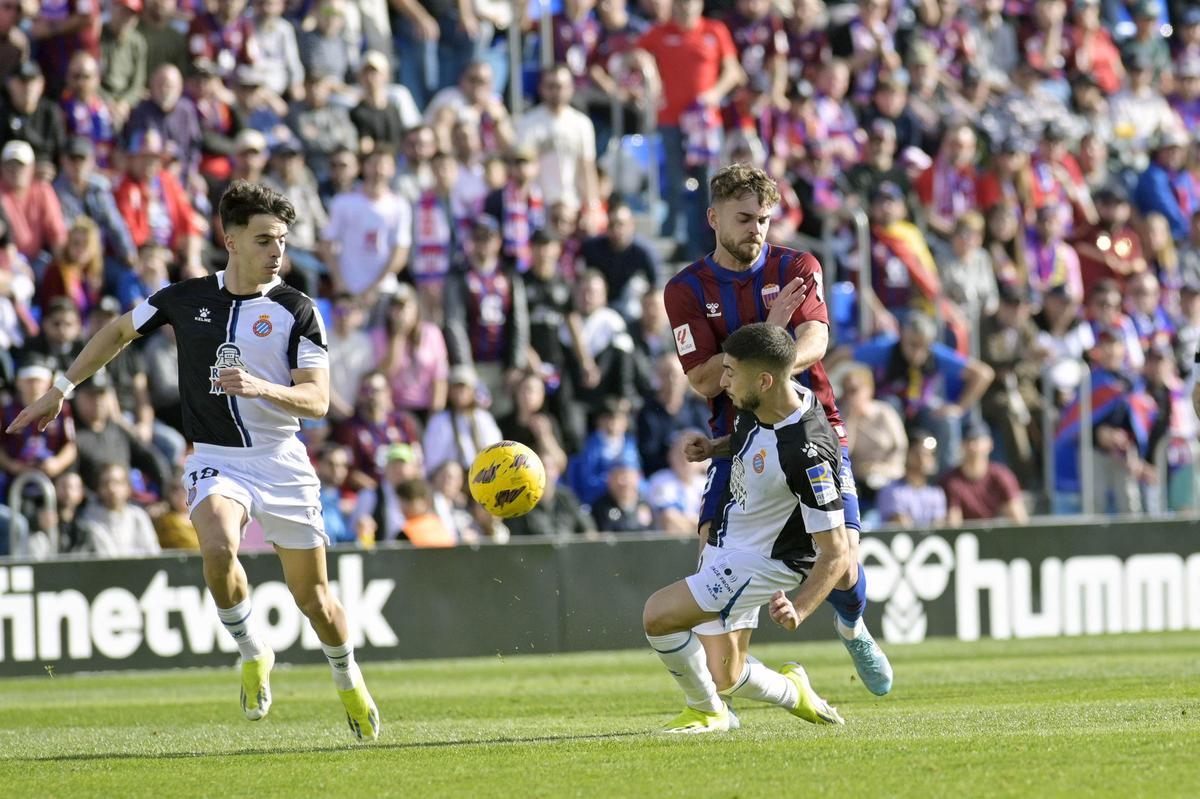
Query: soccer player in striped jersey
x,y
780,525
745,281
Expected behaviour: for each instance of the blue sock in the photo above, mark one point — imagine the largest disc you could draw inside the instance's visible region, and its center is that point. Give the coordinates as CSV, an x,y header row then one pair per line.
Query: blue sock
x,y
851,602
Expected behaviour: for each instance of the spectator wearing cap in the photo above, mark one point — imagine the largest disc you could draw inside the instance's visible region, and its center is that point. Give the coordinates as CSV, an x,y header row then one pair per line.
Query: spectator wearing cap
x,y
50,451
623,508
609,443
28,114
1185,101
1166,186
165,43
367,240
1012,405
290,176
123,52
463,429
103,437
1090,48
112,526
411,351
1148,42
378,118
397,464
697,66
78,271
912,501
1140,113
979,488
85,110
1110,249
278,55
173,116
34,214
376,424
224,35
59,31
566,143
875,435
487,315
949,188
518,206
82,191
474,102
558,513
322,127
147,185
931,385
1052,261
14,43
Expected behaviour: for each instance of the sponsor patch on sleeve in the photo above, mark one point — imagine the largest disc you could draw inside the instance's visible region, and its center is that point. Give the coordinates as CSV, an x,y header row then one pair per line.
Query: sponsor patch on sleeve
x,y
684,343
820,477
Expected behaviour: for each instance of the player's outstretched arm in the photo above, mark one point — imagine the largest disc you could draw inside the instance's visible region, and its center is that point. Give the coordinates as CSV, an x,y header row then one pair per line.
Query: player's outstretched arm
x,y
102,348
306,398
834,546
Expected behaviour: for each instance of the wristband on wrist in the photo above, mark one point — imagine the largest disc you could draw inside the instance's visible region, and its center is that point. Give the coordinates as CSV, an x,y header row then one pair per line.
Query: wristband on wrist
x,y
64,385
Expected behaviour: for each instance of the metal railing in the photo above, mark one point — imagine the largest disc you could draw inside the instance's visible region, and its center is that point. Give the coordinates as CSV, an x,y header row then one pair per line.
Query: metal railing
x,y
1050,416
49,498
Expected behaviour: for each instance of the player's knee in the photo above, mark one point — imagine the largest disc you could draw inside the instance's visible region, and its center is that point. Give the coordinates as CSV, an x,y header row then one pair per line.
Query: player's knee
x,y
219,558
317,604
653,621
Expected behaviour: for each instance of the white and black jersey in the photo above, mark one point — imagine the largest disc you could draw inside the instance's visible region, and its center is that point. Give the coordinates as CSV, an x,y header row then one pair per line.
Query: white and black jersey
x,y
268,334
784,485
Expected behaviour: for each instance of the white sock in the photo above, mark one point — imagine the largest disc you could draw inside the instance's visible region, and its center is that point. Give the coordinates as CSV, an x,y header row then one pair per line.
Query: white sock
x,y
237,620
683,656
764,685
341,661
849,633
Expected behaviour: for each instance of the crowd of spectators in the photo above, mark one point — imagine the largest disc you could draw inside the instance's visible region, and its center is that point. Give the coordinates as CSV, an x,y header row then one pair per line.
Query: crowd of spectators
x,y
1029,171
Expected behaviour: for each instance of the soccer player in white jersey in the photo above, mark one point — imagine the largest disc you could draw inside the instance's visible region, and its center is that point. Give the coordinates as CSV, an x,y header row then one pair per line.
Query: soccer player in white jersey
x,y
252,362
780,525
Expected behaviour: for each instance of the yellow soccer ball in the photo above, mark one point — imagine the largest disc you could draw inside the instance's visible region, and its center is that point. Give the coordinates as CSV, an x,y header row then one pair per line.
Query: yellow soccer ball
x,y
507,479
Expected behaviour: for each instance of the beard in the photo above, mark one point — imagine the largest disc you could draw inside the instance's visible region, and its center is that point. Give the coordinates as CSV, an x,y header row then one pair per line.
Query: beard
x,y
745,252
748,403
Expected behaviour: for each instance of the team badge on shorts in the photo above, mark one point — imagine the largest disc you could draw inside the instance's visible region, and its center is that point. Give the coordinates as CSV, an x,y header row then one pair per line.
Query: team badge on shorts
x,y
191,496
820,477
262,328
769,293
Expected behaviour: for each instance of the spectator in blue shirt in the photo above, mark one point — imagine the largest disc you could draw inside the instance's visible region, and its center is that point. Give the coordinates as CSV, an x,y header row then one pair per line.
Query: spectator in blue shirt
x,y
932,386
1166,186
609,445
83,192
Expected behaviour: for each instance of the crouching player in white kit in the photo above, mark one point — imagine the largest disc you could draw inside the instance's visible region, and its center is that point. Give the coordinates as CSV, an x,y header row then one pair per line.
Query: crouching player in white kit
x,y
252,358
780,525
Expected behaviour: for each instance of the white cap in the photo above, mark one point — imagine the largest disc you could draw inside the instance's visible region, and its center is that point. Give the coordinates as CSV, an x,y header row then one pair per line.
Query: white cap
x,y
17,150
250,139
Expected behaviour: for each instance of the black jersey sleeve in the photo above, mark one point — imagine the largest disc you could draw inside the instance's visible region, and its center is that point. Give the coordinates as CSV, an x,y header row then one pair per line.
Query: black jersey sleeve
x,y
809,456
155,311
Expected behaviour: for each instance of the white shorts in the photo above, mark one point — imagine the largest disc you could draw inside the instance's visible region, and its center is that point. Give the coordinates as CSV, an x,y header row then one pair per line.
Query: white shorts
x,y
275,484
735,584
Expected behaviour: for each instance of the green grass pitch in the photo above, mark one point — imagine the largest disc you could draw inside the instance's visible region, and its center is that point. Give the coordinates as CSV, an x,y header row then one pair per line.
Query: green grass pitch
x,y
1114,716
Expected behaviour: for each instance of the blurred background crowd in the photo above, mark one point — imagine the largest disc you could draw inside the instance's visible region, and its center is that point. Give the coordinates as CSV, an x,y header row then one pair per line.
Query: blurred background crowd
x,y
1004,194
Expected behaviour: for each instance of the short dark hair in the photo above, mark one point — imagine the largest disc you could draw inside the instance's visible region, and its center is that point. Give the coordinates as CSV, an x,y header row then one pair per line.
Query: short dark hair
x,y
414,491
244,200
735,181
764,344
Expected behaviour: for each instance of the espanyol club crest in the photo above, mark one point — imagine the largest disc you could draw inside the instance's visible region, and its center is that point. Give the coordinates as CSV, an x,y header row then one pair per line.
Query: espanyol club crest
x,y
760,461
769,293
262,328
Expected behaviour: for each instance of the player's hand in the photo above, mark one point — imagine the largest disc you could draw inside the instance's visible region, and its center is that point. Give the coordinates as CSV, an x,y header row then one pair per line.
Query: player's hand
x,y
697,447
783,612
40,413
786,303
239,383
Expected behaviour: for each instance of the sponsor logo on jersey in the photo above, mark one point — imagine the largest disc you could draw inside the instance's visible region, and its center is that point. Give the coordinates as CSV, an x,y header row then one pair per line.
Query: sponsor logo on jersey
x,y
205,316
769,293
760,461
713,308
810,449
262,328
228,357
684,343
820,477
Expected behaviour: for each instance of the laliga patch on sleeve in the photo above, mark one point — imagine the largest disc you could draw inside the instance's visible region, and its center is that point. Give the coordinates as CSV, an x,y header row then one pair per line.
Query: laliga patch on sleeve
x,y
684,342
820,477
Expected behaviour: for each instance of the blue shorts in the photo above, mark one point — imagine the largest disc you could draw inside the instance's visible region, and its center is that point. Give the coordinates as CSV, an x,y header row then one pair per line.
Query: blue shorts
x,y
718,480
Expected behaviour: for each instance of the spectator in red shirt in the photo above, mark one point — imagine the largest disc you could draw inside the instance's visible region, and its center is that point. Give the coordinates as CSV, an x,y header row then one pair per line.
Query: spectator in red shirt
x,y
697,65
979,488
154,204
34,215
1091,48
949,188
1110,249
